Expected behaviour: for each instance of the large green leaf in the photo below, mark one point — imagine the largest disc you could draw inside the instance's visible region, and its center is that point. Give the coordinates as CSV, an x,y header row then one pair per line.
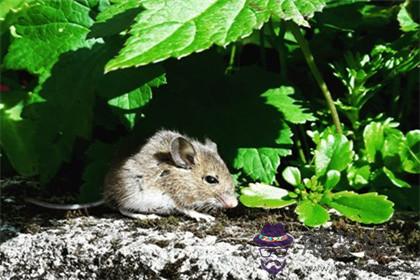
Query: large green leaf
x,y
260,163
297,10
45,29
280,99
368,208
67,109
179,27
311,214
265,196
334,151
410,152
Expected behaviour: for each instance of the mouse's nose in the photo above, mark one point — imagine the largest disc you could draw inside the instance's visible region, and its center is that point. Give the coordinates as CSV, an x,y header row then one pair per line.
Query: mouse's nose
x,y
230,201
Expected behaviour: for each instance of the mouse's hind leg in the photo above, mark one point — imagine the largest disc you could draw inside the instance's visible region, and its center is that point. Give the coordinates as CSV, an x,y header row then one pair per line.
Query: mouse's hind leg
x,y
139,216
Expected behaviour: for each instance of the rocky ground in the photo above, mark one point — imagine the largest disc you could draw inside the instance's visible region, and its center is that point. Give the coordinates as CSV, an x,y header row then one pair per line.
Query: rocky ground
x,y
43,244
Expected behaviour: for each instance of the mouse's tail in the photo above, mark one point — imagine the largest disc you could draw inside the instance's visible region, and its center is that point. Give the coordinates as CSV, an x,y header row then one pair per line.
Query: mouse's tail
x,y
64,206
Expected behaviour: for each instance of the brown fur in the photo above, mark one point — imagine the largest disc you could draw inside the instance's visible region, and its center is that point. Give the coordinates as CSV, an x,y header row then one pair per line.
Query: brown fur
x,y
153,167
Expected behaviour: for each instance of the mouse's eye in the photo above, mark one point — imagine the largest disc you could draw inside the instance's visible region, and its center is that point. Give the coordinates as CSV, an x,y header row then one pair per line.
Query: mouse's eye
x,y
210,179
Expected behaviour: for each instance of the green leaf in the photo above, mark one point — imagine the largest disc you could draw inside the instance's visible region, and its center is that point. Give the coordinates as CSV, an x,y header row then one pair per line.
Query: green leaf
x,y
9,5
178,28
358,176
297,10
133,100
16,139
115,18
393,141
396,181
407,24
67,109
265,196
410,152
311,214
373,137
332,179
100,156
116,9
368,208
260,163
136,99
334,151
292,175
45,30
280,99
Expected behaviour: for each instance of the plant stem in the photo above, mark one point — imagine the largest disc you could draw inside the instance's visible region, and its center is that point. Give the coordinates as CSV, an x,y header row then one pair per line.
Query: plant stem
x,y
229,69
300,150
315,72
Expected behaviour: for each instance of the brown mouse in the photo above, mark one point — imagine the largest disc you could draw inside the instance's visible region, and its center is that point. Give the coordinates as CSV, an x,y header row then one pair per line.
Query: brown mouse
x,y
171,173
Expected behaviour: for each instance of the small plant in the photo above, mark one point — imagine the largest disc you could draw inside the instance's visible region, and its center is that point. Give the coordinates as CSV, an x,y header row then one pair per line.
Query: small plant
x,y
386,151
314,193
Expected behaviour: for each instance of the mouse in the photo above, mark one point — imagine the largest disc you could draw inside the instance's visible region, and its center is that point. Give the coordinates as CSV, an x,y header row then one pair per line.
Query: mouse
x,y
170,174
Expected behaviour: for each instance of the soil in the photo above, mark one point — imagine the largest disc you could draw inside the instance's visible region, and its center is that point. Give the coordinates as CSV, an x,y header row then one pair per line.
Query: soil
x,y
341,240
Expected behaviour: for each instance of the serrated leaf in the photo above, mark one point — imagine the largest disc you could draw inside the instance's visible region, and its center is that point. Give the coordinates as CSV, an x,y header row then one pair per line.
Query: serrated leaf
x,y
410,152
297,10
64,22
260,163
116,9
99,156
131,101
311,214
280,99
265,196
334,151
396,181
368,208
292,175
115,18
177,28
332,179
134,93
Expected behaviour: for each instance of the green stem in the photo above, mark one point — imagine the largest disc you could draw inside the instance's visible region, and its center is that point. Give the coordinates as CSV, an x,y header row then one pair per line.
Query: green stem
x,y
300,150
315,72
229,69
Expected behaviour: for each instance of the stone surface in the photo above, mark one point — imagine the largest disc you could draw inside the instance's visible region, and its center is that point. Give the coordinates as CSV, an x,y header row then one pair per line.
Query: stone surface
x,y
118,248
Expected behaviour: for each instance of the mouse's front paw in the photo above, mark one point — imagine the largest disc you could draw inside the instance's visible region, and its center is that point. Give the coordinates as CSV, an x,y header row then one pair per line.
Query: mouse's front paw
x,y
198,216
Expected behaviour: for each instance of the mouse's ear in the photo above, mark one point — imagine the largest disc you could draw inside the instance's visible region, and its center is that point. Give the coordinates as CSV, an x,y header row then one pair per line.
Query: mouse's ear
x,y
210,144
182,152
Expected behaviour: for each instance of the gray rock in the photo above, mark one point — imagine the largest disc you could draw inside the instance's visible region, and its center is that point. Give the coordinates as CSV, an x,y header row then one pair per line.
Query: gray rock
x,y
112,248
